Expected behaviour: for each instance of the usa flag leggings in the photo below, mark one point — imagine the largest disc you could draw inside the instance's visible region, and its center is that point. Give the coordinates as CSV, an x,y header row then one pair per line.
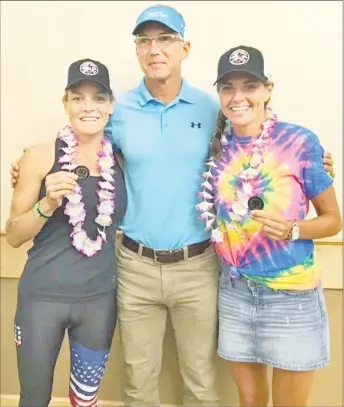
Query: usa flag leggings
x,y
39,330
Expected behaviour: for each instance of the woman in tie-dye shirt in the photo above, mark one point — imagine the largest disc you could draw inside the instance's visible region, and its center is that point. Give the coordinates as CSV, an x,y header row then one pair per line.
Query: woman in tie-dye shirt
x,y
260,179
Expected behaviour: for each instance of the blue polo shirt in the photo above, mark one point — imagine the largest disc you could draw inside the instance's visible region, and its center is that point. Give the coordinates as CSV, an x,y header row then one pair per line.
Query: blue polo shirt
x,y
164,149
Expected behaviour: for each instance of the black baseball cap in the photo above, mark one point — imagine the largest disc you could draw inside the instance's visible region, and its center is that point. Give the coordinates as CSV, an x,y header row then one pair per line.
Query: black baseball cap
x,y
241,59
88,70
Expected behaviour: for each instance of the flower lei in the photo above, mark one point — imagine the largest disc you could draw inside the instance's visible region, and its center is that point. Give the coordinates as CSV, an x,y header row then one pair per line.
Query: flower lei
x,y
239,208
75,208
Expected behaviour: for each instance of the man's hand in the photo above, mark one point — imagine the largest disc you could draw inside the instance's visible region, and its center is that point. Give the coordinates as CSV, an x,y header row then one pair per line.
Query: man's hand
x,y
328,163
275,227
14,173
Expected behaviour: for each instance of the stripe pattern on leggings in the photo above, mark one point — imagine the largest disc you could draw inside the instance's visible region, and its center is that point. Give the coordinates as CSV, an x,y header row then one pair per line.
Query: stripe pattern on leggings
x,y
87,369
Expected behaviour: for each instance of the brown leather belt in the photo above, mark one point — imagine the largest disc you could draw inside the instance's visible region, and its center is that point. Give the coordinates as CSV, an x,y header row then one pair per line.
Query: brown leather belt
x,y
166,256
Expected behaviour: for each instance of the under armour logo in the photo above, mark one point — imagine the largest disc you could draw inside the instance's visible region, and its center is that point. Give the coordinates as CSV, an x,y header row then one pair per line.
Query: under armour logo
x,y
193,124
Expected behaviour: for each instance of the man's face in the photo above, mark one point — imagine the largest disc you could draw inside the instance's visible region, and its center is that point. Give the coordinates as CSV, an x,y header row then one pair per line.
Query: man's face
x,y
161,58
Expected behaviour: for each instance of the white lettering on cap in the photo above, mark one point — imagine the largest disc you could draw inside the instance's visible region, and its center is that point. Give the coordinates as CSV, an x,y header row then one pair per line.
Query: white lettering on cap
x,y
89,68
239,57
157,14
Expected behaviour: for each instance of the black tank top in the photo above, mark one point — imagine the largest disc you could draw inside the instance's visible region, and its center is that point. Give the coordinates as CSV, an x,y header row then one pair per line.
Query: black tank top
x,y
55,270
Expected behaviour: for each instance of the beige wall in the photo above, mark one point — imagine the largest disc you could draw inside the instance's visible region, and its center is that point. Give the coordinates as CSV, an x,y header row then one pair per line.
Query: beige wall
x,y
301,40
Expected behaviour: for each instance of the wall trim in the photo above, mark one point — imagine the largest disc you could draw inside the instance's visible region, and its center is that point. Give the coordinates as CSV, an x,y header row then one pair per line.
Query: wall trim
x,y
9,400
320,242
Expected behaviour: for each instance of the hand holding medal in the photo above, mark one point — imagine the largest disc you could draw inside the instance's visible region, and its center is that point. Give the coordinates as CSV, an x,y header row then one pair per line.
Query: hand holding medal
x,y
275,226
57,186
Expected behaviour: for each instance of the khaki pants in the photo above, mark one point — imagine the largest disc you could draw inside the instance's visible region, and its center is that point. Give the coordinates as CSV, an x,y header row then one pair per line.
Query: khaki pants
x,y
188,291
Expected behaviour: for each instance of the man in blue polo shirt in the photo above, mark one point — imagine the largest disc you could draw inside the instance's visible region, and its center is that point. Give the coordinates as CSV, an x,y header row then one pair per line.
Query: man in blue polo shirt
x,y
165,262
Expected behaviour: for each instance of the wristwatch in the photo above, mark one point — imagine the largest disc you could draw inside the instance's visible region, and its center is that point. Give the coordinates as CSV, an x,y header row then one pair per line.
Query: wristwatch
x,y
294,231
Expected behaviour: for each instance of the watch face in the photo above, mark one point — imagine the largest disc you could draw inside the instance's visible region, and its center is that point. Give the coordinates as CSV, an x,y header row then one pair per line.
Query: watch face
x,y
296,232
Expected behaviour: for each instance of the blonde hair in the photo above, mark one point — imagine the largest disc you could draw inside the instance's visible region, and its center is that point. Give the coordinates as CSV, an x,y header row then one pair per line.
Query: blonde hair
x,y
65,96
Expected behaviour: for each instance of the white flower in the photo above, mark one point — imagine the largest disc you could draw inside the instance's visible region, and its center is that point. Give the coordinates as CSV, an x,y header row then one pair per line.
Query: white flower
x,y
66,158
256,160
78,239
103,220
107,176
249,173
247,188
223,140
207,174
207,185
205,195
204,206
91,247
206,215
235,217
243,198
105,163
68,150
105,195
69,167
74,198
209,223
106,185
211,164
76,212
106,207
217,236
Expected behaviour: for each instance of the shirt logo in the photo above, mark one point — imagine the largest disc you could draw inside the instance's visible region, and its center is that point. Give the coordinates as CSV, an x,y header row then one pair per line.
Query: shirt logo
x,y
193,124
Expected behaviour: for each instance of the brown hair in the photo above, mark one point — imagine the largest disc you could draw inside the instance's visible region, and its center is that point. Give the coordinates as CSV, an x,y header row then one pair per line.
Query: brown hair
x,y
65,96
220,126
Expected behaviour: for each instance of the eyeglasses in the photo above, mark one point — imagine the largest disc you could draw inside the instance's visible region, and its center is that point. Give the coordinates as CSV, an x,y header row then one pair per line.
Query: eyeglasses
x,y
162,41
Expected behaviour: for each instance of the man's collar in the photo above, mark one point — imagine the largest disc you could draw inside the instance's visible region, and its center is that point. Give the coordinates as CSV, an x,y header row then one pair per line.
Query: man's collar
x,y
185,93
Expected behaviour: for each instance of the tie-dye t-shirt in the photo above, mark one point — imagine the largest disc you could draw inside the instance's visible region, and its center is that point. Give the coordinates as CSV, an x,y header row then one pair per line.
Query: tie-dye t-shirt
x,y
291,175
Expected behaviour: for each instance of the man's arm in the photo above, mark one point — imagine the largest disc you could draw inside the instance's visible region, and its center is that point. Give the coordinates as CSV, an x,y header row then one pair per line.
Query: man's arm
x,y
25,222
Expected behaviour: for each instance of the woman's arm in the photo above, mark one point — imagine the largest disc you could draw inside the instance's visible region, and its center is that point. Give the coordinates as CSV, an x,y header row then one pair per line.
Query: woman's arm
x,y
327,223
25,222
317,187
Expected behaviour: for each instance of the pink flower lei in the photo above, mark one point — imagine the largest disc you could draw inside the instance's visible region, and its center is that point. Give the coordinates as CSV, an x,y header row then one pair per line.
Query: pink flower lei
x,y
75,208
239,207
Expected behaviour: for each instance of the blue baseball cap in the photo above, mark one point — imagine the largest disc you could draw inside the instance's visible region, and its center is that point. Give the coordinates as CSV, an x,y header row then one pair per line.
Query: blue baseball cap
x,y
162,14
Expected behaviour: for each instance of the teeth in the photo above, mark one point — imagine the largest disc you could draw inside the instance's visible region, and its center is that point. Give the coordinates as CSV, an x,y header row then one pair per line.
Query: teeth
x,y
88,119
240,108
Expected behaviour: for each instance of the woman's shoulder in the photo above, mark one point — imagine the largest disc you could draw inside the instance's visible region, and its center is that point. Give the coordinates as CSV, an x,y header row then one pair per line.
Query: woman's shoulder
x,y
300,133
39,156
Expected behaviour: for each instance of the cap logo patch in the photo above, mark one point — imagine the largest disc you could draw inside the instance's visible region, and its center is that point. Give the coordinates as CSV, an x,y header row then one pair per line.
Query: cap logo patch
x,y
239,57
89,68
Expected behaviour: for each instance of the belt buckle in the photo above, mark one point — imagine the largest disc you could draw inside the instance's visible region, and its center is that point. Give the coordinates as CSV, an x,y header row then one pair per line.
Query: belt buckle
x,y
162,252
158,252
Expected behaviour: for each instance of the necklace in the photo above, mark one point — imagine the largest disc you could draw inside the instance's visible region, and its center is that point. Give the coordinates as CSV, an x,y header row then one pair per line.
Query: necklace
x,y
239,208
75,208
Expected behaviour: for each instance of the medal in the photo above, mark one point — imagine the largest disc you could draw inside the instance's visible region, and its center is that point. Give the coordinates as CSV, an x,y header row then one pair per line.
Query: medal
x,y
255,203
82,172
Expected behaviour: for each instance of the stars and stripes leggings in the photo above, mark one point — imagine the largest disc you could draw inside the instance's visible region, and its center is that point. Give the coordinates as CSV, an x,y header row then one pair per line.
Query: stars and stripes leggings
x,y
39,330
